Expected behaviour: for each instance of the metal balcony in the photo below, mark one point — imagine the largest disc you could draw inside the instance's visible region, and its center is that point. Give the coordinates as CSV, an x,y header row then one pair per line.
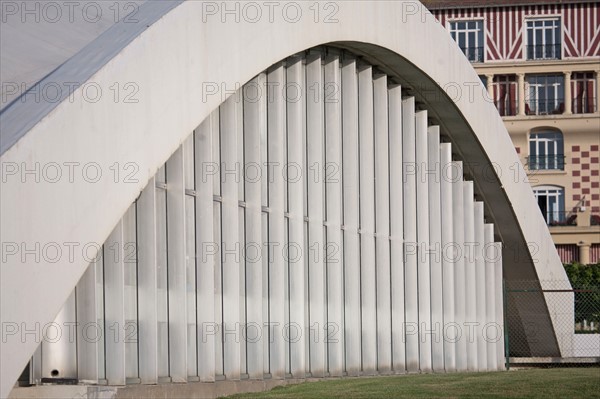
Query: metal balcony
x,y
473,54
544,51
584,105
546,162
561,218
507,108
554,106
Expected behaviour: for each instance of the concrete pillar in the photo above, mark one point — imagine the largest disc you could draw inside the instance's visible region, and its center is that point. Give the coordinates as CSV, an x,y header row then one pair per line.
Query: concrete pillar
x,y
489,257
206,133
147,285
368,292
231,124
448,261
130,306
470,277
423,262
368,287
35,366
411,294
480,286
489,85
333,188
114,308
351,219
396,228
191,280
521,94
276,125
87,312
382,225
296,73
255,123
460,290
568,95
317,278
435,242
499,304
59,355
584,252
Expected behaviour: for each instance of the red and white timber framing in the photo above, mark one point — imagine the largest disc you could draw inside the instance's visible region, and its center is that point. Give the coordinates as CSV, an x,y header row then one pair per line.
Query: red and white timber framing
x,y
505,27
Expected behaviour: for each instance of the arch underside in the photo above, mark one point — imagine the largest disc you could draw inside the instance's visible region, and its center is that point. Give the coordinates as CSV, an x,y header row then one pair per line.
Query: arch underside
x,y
401,85
317,223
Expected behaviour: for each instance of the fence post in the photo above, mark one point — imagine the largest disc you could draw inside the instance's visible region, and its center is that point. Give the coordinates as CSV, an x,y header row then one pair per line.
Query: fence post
x,y
506,338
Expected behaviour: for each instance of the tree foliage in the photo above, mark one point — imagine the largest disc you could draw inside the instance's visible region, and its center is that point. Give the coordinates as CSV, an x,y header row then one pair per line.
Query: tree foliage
x,y
583,276
586,280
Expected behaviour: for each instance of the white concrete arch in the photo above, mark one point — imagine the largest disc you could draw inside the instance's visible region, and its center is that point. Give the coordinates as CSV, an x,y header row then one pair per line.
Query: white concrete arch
x,y
219,290
176,57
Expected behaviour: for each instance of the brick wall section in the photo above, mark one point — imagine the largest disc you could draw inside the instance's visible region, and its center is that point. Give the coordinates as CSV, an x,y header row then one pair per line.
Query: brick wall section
x,y
586,175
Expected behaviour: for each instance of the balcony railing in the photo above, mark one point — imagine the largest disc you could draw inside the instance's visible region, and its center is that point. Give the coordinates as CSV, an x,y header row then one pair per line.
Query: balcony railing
x,y
545,107
543,52
473,54
561,218
584,105
566,218
546,162
507,108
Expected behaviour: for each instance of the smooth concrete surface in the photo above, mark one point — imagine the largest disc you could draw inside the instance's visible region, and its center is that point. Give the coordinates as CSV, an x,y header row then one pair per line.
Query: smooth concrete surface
x,y
198,390
174,99
27,53
76,74
238,278
64,392
553,360
586,345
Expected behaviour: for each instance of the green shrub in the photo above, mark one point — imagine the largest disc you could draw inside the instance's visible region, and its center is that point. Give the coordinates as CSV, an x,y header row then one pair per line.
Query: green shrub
x,y
583,276
587,279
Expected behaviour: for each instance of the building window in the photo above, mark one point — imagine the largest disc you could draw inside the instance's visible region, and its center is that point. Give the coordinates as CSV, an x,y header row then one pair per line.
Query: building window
x,y
568,253
543,39
546,151
583,90
545,94
595,254
551,200
469,36
505,94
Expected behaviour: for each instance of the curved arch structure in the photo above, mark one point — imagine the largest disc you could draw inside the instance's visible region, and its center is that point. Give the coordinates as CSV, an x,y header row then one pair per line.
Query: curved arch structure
x,y
185,61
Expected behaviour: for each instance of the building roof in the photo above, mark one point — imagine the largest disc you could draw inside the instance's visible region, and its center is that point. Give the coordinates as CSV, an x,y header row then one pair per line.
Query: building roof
x,y
36,39
448,4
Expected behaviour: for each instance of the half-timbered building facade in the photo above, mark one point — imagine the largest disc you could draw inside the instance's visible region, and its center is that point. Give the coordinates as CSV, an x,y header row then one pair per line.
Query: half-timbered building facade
x,y
539,61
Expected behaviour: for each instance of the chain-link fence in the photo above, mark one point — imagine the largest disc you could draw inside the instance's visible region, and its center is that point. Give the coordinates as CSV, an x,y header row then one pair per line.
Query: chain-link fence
x,y
550,322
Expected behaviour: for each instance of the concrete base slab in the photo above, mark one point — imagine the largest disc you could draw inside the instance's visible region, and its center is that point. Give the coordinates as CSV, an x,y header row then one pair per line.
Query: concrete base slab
x,y
193,390
553,360
64,392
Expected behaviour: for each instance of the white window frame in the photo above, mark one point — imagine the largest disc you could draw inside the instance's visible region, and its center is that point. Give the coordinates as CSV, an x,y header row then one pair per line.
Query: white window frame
x,y
550,146
558,193
505,80
557,34
479,20
574,81
533,93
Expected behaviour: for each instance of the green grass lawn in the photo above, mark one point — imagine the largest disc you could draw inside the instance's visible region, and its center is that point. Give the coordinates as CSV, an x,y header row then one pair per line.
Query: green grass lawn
x,y
532,383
